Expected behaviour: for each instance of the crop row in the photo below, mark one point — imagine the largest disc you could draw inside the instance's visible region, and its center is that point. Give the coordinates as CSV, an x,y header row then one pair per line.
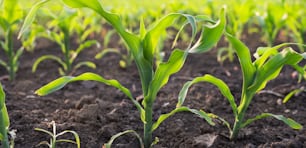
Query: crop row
x,y
144,46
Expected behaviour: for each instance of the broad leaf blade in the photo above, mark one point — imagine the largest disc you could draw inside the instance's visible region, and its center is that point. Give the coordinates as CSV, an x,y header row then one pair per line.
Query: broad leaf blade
x,y
85,63
290,94
31,16
44,131
165,70
106,51
133,42
48,57
287,121
210,35
2,97
273,66
152,37
243,53
87,44
61,82
200,113
263,53
113,138
76,136
213,80
3,109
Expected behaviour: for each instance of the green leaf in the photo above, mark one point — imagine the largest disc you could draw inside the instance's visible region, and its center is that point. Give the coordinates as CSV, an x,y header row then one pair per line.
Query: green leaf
x,y
165,70
75,134
2,63
65,141
61,82
200,113
4,24
56,37
44,143
4,118
244,56
2,97
93,4
289,95
87,44
106,51
107,37
31,16
273,66
10,10
48,57
44,131
85,63
263,53
16,57
142,29
133,42
153,36
213,80
287,121
210,35
113,138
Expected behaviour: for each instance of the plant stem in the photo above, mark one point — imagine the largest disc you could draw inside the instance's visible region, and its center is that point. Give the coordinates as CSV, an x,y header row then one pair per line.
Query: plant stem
x,y
245,102
67,51
11,55
3,130
148,126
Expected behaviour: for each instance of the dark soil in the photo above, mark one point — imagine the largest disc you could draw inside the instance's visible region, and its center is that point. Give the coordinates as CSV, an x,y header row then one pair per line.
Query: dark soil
x,y
96,111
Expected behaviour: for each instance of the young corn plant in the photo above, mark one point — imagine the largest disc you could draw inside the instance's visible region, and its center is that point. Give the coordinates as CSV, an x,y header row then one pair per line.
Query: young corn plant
x,y
61,29
55,135
267,66
296,23
4,121
10,16
142,47
272,21
239,14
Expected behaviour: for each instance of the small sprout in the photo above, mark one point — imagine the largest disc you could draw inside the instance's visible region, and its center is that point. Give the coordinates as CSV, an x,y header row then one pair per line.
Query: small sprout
x,y
54,137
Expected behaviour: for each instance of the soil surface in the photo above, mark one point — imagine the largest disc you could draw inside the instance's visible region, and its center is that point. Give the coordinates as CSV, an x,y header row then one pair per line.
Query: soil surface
x,y
96,111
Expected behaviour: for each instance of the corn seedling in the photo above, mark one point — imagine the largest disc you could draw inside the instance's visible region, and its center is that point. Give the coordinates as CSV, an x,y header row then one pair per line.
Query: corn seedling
x,y
272,21
10,16
239,15
267,66
142,47
296,23
54,137
4,121
61,31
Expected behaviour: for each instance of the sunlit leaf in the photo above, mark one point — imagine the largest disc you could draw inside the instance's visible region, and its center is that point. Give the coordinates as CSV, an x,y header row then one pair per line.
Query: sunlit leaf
x,y
200,113
61,82
213,80
287,121
31,16
113,138
85,63
165,70
210,35
47,57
